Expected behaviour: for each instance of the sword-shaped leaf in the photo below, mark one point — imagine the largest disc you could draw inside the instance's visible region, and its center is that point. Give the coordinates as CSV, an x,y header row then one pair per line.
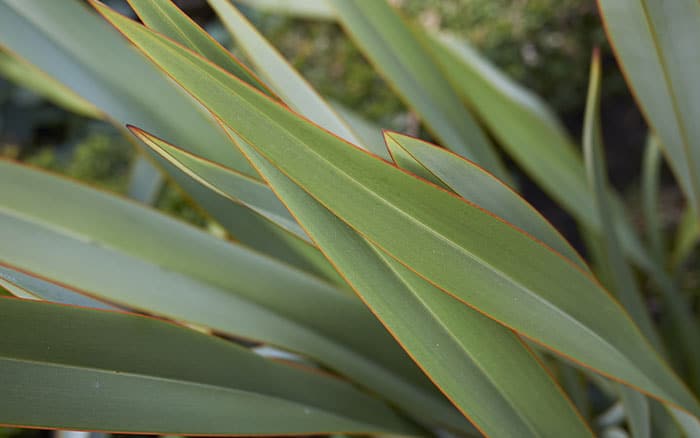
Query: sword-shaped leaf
x,y
166,18
30,287
235,186
474,183
25,74
125,253
406,64
470,357
292,88
68,367
656,44
68,42
460,248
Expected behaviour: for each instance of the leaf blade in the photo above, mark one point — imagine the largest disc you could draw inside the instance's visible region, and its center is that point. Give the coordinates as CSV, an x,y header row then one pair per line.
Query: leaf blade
x,y
406,64
89,369
368,193
655,44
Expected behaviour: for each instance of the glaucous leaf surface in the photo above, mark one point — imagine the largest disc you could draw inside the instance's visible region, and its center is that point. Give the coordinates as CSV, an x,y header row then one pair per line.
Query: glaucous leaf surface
x,y
76,368
463,250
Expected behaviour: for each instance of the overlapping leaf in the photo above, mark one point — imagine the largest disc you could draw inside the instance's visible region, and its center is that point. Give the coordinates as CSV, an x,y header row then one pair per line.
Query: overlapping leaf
x,y
656,43
468,356
69,43
26,286
406,64
23,73
473,183
237,187
85,239
622,280
465,251
76,368
270,64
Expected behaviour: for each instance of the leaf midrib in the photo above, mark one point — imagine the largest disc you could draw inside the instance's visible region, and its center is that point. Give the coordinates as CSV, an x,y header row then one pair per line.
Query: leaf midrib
x,y
392,206
455,341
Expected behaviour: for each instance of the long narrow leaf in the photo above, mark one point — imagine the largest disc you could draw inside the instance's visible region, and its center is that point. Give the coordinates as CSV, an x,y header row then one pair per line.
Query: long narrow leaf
x,y
68,42
26,286
470,357
313,9
651,176
464,250
622,278
287,82
655,42
19,71
66,367
164,17
239,188
475,184
406,64
186,274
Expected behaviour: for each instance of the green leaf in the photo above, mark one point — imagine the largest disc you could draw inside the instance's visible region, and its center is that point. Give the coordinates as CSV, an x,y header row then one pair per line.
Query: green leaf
x,y
655,42
26,75
637,412
686,238
454,244
370,133
471,182
292,88
235,186
651,180
164,17
523,125
125,253
67,367
532,136
69,42
145,181
26,286
622,280
406,64
311,9
482,367
622,277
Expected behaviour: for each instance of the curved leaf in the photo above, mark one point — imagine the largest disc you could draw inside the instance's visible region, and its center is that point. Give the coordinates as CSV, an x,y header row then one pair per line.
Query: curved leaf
x,y
472,182
69,42
470,357
234,185
52,227
66,367
289,85
166,18
17,70
622,280
406,64
655,42
456,245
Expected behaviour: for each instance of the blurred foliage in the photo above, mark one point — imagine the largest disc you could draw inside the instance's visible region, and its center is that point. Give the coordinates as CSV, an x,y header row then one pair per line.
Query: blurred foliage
x,y
332,64
19,433
543,44
99,159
